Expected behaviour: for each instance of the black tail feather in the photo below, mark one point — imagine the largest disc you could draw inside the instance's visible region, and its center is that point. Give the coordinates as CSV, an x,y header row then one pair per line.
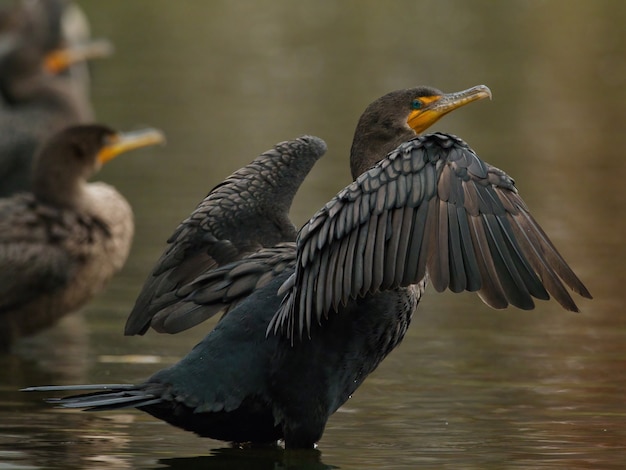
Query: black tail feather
x,y
103,397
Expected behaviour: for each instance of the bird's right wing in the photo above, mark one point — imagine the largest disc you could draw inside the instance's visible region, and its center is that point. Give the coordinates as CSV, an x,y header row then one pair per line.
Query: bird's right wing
x,y
431,208
245,213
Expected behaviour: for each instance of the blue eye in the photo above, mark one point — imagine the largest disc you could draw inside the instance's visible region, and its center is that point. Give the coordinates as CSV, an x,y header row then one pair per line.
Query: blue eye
x,y
416,104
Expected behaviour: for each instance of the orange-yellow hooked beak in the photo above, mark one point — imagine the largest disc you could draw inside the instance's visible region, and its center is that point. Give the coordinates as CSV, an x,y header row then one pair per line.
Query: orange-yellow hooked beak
x,y
435,107
59,60
126,141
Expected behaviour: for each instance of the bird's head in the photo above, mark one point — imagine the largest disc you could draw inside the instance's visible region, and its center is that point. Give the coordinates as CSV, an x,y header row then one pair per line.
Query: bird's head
x,y
73,155
401,115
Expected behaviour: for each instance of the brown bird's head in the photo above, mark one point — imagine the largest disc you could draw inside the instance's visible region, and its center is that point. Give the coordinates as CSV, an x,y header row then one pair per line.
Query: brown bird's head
x,y
69,158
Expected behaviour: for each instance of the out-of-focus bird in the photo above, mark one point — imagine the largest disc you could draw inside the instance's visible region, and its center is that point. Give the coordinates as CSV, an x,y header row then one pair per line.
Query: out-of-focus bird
x,y
44,86
62,242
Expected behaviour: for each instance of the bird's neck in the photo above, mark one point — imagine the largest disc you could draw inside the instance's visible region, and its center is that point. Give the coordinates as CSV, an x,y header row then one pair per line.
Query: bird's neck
x,y
53,187
372,143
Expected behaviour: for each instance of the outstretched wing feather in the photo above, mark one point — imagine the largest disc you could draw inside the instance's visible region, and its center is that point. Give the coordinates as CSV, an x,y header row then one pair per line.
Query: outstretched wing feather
x,y
430,208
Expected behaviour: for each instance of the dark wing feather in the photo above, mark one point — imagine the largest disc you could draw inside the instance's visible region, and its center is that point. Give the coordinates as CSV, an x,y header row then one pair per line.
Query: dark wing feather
x,y
223,288
245,213
431,208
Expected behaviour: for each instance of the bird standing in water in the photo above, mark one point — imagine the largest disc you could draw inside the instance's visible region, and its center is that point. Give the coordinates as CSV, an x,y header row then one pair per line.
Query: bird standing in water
x,y
39,94
61,243
306,322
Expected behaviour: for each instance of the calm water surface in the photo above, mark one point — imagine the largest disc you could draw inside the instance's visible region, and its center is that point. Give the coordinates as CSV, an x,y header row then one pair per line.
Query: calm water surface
x,y
469,387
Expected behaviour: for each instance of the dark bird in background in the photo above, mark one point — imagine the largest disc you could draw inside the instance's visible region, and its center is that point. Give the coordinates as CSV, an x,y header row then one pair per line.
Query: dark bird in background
x,y
75,40
306,322
63,241
43,85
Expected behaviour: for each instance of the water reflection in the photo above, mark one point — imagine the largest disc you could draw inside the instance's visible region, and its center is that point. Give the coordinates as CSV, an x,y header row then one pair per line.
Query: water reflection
x,y
469,387
252,459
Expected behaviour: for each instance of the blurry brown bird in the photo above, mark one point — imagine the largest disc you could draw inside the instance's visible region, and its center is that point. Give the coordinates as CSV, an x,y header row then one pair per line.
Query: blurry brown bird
x,y
61,243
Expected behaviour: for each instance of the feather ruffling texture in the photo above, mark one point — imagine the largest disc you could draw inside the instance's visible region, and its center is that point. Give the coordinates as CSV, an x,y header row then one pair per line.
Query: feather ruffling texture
x,y
247,212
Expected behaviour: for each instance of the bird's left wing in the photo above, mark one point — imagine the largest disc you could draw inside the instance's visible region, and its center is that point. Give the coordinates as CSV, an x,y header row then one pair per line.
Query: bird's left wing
x,y
431,208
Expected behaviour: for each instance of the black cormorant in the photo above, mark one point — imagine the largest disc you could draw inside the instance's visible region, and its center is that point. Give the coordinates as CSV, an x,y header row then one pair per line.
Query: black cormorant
x,y
277,366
